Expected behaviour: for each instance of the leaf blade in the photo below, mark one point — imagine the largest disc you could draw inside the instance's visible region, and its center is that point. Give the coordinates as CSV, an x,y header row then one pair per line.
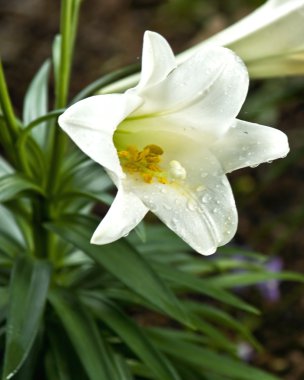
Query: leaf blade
x,y
132,335
84,335
12,185
122,261
28,291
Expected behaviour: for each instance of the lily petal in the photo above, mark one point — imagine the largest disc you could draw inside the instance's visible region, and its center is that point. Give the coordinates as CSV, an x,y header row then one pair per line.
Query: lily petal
x,y
158,61
249,144
209,99
91,123
200,208
286,64
125,213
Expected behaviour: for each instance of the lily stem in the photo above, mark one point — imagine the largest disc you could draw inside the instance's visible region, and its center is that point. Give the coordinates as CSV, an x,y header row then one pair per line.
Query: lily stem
x,y
9,128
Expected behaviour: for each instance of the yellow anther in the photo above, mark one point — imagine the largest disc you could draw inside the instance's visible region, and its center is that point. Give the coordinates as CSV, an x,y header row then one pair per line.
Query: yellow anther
x,y
155,149
144,162
145,165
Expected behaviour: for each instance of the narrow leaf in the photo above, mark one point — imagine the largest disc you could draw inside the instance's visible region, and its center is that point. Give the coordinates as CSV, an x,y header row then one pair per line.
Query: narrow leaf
x,y
28,290
122,261
251,278
201,286
207,360
84,334
133,336
36,101
12,185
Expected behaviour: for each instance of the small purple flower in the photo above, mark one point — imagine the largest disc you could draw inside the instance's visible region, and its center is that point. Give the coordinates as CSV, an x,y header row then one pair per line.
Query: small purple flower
x,y
270,290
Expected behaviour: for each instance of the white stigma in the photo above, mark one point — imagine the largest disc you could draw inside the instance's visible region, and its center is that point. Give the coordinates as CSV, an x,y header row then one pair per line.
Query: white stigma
x,y
177,170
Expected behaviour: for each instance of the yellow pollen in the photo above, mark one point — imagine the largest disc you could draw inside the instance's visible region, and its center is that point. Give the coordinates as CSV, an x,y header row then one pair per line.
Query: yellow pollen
x,y
144,162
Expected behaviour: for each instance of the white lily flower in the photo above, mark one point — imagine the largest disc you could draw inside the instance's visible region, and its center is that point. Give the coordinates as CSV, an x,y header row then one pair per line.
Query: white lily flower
x,y
270,40
168,142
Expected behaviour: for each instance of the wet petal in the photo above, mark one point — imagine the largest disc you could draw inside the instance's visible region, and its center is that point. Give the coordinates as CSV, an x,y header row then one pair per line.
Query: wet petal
x,y
157,61
125,213
206,92
91,123
249,144
198,206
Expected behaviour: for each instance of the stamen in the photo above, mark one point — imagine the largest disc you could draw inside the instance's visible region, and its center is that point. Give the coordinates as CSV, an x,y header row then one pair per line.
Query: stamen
x,y
177,170
145,162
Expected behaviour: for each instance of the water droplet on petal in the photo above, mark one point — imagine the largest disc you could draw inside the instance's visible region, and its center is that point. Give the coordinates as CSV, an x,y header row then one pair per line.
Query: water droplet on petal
x,y
191,205
206,198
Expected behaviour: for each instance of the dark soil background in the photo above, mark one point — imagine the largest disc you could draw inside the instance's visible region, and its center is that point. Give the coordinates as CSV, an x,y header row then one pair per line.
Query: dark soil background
x,y
270,198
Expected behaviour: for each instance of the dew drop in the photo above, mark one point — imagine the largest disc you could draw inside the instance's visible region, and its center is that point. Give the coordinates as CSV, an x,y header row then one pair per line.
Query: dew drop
x,y
191,205
206,198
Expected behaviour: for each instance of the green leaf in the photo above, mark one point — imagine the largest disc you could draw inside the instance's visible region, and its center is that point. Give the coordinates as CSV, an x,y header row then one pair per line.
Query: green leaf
x,y
250,278
202,286
3,302
122,261
12,185
132,335
84,334
206,360
222,318
27,294
9,246
10,227
29,366
5,167
36,101
123,369
61,362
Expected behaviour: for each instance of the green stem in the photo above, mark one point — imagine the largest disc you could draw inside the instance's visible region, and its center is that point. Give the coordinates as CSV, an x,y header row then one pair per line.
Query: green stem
x,y
40,234
6,106
9,128
69,16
